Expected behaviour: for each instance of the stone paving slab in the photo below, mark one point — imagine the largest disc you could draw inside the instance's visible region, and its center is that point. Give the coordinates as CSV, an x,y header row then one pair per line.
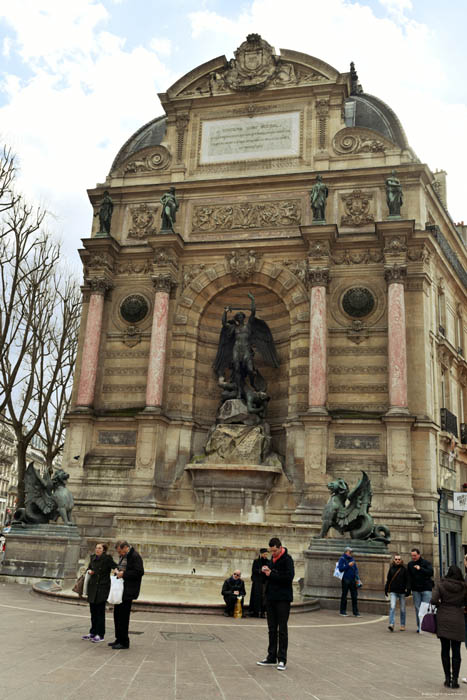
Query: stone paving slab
x,y
330,658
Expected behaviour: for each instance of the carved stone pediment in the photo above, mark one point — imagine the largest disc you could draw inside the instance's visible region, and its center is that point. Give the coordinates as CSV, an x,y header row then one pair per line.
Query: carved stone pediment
x,y
353,140
146,161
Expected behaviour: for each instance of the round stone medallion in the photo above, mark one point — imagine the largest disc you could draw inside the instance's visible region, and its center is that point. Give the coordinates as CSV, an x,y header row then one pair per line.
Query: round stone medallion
x,y
134,308
358,302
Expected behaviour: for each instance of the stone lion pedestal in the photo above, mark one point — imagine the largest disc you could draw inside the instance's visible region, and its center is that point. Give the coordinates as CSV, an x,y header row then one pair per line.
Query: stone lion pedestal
x,y
46,551
373,561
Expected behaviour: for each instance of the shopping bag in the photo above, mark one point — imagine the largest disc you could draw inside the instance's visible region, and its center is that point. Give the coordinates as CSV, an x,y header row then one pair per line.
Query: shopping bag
x,y
429,623
87,576
238,607
116,591
338,574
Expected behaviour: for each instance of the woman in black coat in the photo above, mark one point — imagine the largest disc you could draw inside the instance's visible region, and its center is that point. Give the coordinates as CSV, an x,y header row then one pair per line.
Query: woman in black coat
x,y
257,605
450,597
99,568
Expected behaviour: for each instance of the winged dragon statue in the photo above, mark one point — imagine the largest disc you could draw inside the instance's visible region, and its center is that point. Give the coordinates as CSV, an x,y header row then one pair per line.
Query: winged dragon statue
x,y
47,498
235,353
354,517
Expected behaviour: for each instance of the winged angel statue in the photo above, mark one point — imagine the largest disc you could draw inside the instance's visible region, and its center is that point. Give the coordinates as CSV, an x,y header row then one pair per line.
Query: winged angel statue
x,y
353,517
235,352
47,498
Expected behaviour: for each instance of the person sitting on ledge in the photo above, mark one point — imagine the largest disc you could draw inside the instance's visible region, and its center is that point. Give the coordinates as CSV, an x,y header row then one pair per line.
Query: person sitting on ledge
x,y
232,589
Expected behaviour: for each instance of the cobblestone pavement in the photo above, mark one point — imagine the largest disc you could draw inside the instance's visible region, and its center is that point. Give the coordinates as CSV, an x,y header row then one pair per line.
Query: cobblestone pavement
x,y
202,657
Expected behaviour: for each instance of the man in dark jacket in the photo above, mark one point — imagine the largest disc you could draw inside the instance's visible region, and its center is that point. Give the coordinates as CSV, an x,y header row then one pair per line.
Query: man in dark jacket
x,y
350,581
232,589
397,582
131,570
420,581
257,602
279,574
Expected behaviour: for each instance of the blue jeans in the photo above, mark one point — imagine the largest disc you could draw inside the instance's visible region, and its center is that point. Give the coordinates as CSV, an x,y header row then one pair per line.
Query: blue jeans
x,y
392,610
420,597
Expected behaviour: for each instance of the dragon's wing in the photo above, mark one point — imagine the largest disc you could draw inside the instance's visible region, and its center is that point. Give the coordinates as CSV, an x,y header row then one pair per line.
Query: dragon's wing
x,y
261,338
224,350
359,502
36,490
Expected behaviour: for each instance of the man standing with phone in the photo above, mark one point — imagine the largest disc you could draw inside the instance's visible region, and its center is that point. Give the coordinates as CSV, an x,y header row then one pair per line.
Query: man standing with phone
x,y
279,575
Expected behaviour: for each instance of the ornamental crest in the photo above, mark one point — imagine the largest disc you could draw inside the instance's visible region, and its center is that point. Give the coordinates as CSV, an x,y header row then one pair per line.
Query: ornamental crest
x,y
142,222
242,263
357,209
253,66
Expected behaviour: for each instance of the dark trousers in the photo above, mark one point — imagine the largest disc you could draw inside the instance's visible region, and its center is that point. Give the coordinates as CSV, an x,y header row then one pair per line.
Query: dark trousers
x,y
97,619
346,587
122,622
278,614
448,645
257,603
230,599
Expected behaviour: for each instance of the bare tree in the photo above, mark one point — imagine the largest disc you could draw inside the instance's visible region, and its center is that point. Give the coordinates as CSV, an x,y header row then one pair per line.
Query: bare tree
x,y
39,317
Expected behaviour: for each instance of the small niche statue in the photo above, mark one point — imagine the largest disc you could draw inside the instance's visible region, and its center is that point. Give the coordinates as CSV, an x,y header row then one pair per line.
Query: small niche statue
x,y
394,194
105,215
169,210
318,196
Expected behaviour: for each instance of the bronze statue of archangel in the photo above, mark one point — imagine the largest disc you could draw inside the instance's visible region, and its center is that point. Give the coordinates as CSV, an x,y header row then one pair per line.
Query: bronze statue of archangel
x,y
235,352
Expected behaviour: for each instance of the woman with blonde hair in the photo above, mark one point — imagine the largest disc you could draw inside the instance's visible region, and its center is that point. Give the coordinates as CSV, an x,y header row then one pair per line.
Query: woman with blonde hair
x,y
99,568
396,588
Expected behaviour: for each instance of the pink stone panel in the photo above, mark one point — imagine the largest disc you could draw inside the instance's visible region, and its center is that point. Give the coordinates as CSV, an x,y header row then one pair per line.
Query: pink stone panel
x,y
397,352
92,338
318,348
155,383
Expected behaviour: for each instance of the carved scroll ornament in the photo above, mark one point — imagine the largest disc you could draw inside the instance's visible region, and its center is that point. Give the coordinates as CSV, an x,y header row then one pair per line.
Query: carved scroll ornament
x,y
352,140
147,160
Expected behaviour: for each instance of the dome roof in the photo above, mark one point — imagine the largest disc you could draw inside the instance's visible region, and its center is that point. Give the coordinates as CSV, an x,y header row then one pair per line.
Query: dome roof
x,y
151,134
372,113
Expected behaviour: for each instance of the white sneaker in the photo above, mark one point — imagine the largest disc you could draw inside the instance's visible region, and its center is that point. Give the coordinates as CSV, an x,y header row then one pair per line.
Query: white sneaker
x,y
464,680
97,639
281,666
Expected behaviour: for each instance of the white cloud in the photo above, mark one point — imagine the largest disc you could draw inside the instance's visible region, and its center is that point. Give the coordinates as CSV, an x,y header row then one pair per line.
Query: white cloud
x,y
161,46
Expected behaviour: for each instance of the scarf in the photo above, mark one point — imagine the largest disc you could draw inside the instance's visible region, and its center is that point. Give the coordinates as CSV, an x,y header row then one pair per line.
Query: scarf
x,y
278,556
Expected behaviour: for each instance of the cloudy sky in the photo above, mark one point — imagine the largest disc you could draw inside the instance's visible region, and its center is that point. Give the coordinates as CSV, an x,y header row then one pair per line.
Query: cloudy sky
x,y
78,77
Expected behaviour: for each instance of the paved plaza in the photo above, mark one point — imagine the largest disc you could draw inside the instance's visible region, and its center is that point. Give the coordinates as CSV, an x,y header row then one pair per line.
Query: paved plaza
x,y
203,657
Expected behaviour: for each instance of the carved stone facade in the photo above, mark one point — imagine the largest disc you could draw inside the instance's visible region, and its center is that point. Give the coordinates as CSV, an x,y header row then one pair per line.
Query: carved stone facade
x,y
372,348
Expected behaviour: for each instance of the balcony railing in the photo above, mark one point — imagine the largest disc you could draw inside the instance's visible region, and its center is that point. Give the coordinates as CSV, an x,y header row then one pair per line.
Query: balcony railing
x,y
449,422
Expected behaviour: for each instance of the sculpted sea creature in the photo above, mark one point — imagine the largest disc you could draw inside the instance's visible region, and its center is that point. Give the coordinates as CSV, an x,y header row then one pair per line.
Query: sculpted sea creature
x,y
46,498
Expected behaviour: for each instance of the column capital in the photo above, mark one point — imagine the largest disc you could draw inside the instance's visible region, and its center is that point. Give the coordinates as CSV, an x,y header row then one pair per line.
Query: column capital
x,y
395,274
99,285
163,282
318,277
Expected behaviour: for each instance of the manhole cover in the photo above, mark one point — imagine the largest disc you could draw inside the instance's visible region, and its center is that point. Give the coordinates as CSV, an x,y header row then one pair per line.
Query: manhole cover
x,y
190,637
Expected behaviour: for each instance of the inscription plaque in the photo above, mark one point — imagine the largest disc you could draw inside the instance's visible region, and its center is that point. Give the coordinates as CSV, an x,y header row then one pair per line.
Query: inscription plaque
x,y
248,138
126,438
356,442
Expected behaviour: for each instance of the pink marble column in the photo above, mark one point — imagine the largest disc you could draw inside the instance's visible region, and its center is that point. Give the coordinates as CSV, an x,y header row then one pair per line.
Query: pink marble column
x,y
397,350
317,380
92,339
157,350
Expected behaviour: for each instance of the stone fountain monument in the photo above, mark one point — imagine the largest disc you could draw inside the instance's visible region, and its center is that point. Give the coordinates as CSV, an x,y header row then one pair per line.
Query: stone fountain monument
x,y
238,469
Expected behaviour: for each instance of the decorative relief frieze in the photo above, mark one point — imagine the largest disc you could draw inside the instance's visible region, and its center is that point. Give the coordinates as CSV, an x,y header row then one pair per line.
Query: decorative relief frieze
x,y
134,267
357,257
124,388
395,245
351,140
242,263
357,442
100,260
341,351
360,407
246,216
357,209
125,354
126,371
357,369
142,221
148,160
358,388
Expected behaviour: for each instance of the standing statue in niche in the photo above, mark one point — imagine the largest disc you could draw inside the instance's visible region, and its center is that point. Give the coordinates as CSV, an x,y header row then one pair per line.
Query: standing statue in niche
x,y
235,352
318,196
169,210
394,194
105,215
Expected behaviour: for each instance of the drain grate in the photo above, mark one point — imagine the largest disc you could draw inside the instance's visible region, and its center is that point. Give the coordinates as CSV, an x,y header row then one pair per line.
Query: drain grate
x,y
190,637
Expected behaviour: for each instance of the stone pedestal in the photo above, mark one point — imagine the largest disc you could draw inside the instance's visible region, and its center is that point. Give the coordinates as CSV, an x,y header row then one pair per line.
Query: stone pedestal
x,y
373,561
42,551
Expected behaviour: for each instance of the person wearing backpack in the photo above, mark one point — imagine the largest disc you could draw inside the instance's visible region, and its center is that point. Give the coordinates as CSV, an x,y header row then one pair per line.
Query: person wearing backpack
x,y
396,588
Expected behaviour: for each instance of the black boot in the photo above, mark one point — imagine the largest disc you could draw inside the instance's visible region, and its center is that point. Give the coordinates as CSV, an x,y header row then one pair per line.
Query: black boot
x,y
446,661
456,664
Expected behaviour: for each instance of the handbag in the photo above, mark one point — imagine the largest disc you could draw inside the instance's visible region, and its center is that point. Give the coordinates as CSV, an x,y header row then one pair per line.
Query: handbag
x,y
429,622
79,586
116,591
338,574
